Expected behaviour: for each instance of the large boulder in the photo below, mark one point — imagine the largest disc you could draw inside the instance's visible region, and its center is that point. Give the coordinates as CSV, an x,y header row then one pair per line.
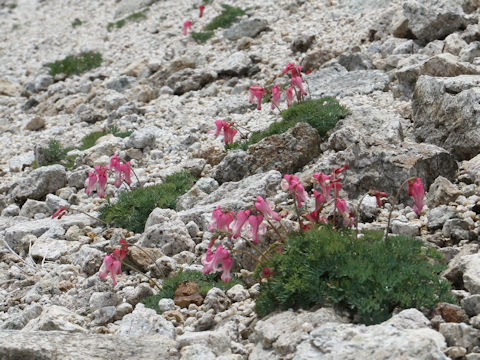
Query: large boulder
x,y
384,166
434,19
40,182
446,65
446,113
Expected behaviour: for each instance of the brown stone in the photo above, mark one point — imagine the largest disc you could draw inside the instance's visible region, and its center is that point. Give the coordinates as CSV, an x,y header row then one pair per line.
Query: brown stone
x,y
450,313
173,316
35,124
142,259
188,293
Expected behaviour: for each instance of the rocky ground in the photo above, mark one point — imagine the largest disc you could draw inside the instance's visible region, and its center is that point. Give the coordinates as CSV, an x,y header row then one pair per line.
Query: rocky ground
x,y
408,71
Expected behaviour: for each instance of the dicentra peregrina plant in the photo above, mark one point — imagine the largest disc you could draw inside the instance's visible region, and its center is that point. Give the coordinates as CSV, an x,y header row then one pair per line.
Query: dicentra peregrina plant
x,y
187,25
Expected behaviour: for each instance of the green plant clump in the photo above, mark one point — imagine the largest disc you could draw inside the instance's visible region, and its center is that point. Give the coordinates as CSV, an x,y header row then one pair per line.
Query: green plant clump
x,y
206,282
201,37
367,276
322,114
56,153
132,208
120,23
74,65
90,140
225,19
77,22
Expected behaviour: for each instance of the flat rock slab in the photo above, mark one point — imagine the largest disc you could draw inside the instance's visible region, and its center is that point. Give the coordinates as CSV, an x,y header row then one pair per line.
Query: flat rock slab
x,y
56,345
341,83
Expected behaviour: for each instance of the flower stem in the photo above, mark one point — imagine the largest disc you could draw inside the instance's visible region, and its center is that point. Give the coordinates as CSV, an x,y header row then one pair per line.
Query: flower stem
x,y
141,272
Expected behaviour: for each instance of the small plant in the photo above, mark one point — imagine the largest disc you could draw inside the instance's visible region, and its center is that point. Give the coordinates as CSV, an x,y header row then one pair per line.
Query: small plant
x,y
201,37
367,276
77,22
206,282
12,6
321,114
74,65
228,16
132,208
90,140
56,153
120,23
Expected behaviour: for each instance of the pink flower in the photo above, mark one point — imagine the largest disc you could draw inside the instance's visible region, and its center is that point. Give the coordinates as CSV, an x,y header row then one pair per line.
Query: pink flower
x,y
417,192
295,187
201,8
92,180
221,220
325,184
102,179
114,163
229,131
265,208
267,272
242,217
256,227
298,83
289,96
319,199
276,93
110,265
344,212
219,124
256,91
59,213
295,70
211,262
187,25
378,195
227,263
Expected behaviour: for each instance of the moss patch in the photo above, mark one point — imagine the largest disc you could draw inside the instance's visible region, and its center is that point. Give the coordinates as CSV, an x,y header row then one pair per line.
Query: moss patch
x,y
132,208
122,22
228,16
321,114
74,65
201,37
90,140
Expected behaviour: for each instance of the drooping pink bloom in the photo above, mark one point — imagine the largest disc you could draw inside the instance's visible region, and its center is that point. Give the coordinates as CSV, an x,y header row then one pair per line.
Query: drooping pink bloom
x,y
221,220
319,199
219,126
211,262
227,263
267,272
242,217
417,192
256,91
298,83
114,163
325,184
102,179
256,226
314,217
289,96
266,209
229,133
110,265
187,25
378,195
92,180
59,213
294,186
295,70
342,208
201,8
276,94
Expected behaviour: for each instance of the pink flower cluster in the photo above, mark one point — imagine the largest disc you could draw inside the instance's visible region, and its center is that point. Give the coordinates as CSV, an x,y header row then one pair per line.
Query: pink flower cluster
x,y
229,131
229,224
417,192
112,263
187,25
296,87
97,179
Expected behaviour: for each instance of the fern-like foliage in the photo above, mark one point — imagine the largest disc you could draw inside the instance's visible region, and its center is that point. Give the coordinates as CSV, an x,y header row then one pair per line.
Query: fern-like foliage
x,y
132,208
367,276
